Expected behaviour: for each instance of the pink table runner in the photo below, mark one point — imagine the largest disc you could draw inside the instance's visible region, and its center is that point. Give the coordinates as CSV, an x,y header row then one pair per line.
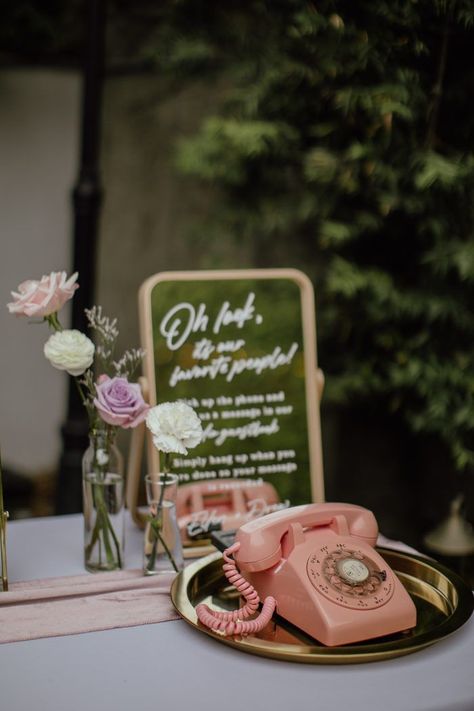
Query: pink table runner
x,y
84,603
89,603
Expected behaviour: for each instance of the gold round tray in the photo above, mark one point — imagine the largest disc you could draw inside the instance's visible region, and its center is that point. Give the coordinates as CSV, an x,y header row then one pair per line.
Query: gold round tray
x,y
443,600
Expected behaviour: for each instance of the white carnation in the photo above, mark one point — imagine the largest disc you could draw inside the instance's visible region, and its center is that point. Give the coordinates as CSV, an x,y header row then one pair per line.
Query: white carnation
x,y
174,426
69,350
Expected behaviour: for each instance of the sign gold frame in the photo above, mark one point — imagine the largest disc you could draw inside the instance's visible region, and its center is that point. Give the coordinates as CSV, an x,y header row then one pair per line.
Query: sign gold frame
x,y
3,537
314,378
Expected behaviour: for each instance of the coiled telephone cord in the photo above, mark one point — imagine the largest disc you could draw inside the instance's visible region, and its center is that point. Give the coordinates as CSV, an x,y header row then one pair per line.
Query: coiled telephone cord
x,y
234,622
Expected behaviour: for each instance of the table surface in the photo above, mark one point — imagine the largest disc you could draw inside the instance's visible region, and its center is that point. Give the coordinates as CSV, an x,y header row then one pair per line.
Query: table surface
x,y
172,666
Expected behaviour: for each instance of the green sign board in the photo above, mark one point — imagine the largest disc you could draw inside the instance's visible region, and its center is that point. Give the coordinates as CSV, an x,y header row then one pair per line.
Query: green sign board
x,y
240,348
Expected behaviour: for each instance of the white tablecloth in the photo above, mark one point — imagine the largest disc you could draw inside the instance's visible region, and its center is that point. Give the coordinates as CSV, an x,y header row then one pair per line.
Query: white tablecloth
x,y
172,666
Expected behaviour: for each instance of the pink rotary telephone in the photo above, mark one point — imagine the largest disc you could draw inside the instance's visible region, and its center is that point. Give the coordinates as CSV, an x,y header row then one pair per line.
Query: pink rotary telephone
x,y
317,566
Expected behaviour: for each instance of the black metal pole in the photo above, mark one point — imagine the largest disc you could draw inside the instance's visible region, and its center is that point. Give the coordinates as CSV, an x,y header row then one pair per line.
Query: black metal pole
x,y
87,196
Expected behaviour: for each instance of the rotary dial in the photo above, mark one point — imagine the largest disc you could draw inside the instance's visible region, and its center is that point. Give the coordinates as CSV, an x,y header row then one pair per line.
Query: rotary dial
x,y
349,577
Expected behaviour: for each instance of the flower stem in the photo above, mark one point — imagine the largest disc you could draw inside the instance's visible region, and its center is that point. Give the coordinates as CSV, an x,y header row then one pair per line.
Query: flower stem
x,y
156,523
53,321
152,559
100,534
168,552
115,540
103,531
159,538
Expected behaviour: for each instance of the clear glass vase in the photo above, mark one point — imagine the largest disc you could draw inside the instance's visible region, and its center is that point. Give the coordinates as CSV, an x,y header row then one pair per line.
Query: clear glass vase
x,y
163,551
103,503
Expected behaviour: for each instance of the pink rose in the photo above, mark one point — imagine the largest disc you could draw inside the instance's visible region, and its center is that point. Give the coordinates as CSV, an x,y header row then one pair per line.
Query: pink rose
x,y
119,402
43,298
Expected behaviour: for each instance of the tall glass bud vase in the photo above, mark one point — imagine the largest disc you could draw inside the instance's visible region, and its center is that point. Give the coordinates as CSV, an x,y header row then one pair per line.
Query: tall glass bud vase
x,y
163,549
103,500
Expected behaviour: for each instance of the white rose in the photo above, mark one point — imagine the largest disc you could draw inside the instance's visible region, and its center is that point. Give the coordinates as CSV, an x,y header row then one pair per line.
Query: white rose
x,y
174,426
69,350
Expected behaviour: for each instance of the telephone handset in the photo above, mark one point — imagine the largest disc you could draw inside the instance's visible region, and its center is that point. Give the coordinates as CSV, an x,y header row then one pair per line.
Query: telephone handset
x,y
317,566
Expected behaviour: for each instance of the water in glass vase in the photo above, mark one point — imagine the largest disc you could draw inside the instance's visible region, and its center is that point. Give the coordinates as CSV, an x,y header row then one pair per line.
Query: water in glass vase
x,y
163,551
103,501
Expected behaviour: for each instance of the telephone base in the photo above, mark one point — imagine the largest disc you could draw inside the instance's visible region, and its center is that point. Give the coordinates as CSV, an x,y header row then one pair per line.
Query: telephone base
x,y
316,598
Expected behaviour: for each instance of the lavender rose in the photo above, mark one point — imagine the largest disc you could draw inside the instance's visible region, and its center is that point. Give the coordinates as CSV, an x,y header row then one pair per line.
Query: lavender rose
x,y
119,402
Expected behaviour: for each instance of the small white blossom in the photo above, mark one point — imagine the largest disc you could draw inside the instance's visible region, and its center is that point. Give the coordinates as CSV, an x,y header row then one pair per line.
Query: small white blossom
x,y
174,427
106,328
129,362
102,457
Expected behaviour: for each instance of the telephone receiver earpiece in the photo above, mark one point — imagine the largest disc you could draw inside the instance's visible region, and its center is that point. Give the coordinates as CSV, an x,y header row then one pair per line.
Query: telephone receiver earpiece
x,y
260,540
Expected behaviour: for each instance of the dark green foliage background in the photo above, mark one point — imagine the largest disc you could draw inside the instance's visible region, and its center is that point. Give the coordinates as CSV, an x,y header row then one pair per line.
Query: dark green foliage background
x,y
346,134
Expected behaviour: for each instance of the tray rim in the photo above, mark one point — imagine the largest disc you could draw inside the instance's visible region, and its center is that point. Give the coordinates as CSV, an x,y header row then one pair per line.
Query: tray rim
x,y
350,654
